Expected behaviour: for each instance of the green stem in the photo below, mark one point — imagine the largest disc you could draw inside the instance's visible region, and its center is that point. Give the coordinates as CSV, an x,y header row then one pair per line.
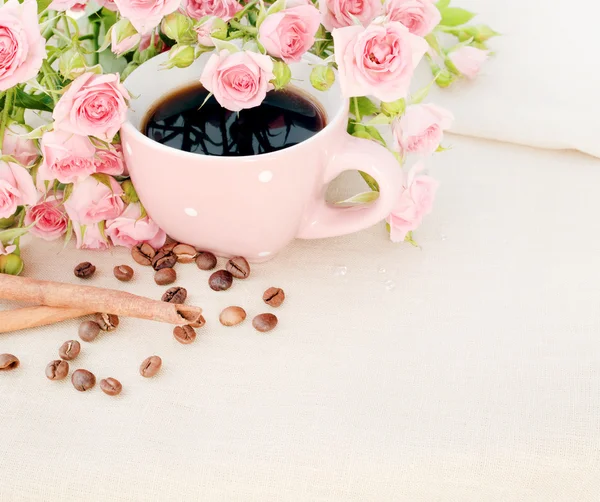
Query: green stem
x,y
239,26
49,80
8,102
246,8
17,241
67,29
89,36
96,34
49,31
356,110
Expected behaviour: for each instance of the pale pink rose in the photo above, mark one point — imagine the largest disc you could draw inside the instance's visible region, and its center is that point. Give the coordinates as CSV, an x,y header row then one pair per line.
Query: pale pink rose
x,y
127,44
145,15
421,129
158,43
204,32
378,60
415,202
22,47
93,105
239,80
16,188
90,237
62,5
6,250
341,13
108,4
93,201
419,16
469,60
129,229
22,149
224,9
296,3
289,33
110,161
79,7
67,157
48,217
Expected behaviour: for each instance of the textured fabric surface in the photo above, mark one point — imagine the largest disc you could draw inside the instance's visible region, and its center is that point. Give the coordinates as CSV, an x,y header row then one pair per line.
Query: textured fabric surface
x,y
475,378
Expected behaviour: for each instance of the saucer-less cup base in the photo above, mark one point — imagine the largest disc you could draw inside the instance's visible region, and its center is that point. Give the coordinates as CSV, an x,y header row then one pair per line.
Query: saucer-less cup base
x,y
251,206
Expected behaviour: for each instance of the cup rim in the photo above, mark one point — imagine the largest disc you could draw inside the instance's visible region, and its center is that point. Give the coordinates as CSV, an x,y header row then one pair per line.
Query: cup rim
x,y
140,136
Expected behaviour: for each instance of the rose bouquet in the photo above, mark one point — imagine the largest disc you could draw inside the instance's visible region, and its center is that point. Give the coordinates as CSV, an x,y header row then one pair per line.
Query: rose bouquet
x,y
62,100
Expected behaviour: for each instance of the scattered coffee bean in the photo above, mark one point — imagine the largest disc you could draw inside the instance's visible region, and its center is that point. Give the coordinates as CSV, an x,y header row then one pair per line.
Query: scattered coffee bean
x,y
184,334
88,331
169,245
185,253
123,272
164,260
8,362
143,254
84,270
69,350
83,380
264,322
238,267
57,370
274,297
206,260
232,316
194,319
111,386
220,280
107,322
175,295
150,366
165,276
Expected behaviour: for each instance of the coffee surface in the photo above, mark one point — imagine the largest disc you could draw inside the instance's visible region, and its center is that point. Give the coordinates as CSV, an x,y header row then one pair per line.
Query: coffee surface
x,y
181,120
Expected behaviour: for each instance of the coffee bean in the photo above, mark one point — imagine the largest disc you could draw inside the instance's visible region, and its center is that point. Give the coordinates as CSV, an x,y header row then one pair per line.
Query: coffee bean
x,y
143,254
169,245
206,260
83,380
69,350
274,297
8,362
185,253
194,319
84,270
175,295
111,386
264,322
57,370
164,260
150,366
88,331
238,267
123,272
107,322
232,316
165,276
184,334
220,280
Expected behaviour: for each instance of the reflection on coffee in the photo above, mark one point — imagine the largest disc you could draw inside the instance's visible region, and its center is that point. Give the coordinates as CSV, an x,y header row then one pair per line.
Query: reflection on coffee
x,y
181,120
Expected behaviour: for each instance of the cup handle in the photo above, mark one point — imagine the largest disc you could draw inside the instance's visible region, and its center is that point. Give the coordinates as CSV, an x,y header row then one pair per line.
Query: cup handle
x,y
327,220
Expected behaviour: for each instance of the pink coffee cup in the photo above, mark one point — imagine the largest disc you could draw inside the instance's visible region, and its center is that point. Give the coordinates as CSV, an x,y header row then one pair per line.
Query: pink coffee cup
x,y
252,206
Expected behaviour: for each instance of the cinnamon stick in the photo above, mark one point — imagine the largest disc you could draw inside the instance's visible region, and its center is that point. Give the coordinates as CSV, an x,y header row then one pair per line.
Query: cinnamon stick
x,y
32,317
92,299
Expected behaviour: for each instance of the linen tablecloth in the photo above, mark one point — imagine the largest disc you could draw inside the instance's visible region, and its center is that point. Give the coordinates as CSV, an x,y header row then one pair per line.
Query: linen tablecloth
x,y
463,370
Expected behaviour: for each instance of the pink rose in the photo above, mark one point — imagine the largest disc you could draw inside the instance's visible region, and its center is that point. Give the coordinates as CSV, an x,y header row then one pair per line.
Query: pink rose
x,y
341,13
421,129
158,43
62,5
204,31
90,237
419,16
415,202
239,80
6,250
378,60
93,201
224,9
22,149
288,34
67,157
107,4
16,188
120,47
145,15
22,47
469,60
93,105
110,161
129,229
48,218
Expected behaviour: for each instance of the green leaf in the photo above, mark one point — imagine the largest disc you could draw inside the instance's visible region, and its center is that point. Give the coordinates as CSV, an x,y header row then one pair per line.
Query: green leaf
x,y
101,227
442,4
434,43
380,119
376,135
359,199
276,7
68,233
222,45
67,192
366,106
43,5
410,240
103,178
7,236
455,16
373,185
41,102
421,94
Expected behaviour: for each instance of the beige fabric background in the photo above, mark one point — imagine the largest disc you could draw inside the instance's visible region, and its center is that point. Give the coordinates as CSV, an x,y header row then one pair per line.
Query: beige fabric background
x,y
476,378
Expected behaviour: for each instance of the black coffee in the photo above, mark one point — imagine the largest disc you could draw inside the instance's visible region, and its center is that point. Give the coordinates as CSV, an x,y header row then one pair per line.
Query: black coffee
x,y
285,118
